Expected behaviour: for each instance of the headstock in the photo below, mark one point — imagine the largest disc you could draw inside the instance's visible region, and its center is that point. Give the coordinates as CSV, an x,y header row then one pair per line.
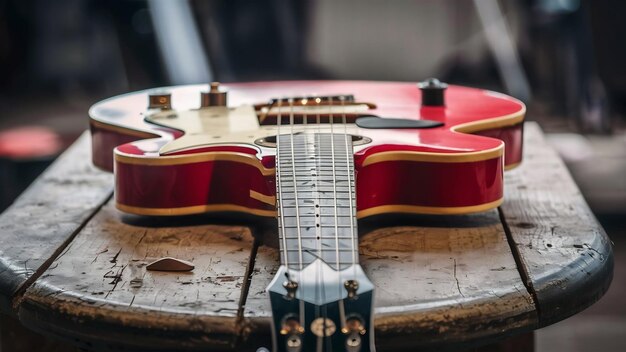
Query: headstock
x,y
321,305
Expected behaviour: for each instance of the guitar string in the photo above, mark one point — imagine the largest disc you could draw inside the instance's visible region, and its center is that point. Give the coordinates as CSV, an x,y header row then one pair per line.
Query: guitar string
x,y
334,177
319,274
295,184
319,232
281,213
321,288
318,217
296,200
351,195
320,283
319,167
349,153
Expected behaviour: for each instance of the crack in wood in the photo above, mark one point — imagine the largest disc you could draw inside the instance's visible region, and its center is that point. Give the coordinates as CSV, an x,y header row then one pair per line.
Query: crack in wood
x,y
458,286
519,263
62,249
245,289
114,259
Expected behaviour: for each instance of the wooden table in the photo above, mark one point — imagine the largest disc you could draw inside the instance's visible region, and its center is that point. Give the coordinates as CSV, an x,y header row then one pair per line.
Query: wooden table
x,y
73,267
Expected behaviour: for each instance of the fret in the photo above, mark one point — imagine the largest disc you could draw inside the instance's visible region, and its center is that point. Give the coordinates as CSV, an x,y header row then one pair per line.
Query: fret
x,y
327,231
323,181
310,195
323,211
310,221
315,160
324,177
308,174
291,203
316,251
301,191
305,237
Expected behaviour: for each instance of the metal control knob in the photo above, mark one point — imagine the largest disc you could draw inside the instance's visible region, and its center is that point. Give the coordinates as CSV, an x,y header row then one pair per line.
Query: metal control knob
x,y
433,92
214,97
160,100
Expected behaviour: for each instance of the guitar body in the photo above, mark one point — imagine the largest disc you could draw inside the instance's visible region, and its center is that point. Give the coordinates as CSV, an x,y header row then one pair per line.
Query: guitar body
x,y
189,160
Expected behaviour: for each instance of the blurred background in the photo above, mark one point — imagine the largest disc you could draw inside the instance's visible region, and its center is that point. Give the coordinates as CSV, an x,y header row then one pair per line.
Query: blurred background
x,y
564,58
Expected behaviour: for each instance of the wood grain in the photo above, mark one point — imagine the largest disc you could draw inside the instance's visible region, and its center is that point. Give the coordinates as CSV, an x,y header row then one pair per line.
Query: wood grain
x,y
46,216
565,256
99,288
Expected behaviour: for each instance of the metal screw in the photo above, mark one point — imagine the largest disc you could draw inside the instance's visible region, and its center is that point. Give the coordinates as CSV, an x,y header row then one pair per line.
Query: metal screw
x,y
291,287
351,286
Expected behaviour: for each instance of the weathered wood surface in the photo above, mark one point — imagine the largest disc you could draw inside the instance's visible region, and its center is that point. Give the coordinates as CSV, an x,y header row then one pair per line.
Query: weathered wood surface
x,y
566,257
449,280
100,290
46,216
439,281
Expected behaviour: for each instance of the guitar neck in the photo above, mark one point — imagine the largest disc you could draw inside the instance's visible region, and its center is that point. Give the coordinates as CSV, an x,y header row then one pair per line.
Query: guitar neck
x,y
316,200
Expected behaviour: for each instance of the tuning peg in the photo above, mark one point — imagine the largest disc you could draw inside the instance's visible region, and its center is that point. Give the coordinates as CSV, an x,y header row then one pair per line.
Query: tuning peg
x,y
214,97
353,329
292,328
353,325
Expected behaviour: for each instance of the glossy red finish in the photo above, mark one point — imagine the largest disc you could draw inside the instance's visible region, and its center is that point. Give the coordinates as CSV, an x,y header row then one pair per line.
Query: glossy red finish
x,y
512,137
195,184
103,140
429,184
433,184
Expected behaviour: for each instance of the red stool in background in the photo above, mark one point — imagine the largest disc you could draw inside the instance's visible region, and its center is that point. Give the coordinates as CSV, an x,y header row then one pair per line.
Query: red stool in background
x,y
24,153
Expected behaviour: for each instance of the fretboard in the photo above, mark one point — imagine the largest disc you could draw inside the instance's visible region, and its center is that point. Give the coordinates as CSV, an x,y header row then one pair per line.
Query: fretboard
x,y
316,200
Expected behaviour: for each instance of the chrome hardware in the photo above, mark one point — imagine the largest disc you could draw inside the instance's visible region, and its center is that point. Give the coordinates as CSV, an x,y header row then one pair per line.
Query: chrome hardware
x,y
214,97
351,286
353,325
292,329
322,327
294,343
291,326
353,342
291,287
353,329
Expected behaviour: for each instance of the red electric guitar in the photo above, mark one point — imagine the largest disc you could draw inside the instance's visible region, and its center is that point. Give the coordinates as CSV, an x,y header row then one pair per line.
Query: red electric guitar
x,y
318,156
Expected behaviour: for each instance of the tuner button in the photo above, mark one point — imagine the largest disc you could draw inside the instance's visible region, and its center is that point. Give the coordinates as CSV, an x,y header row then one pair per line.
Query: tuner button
x,y
353,343
351,286
432,92
214,97
160,100
294,343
